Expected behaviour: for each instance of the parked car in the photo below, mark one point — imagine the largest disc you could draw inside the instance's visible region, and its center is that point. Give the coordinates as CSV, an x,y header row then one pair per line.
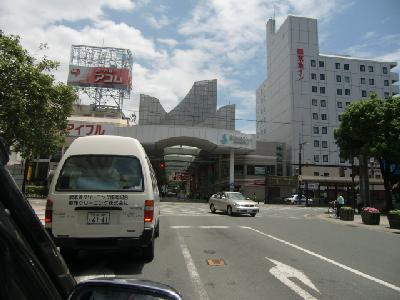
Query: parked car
x,y
295,199
233,203
31,266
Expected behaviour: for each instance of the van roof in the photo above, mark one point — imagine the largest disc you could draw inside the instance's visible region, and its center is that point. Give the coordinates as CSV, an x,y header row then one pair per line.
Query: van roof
x,y
106,144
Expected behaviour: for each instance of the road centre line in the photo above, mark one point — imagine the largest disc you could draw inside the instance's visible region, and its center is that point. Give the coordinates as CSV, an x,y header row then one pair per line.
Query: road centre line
x,y
347,268
191,267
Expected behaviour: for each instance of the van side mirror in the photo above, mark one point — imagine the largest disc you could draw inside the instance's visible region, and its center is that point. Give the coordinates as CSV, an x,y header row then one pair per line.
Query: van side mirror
x,y
99,289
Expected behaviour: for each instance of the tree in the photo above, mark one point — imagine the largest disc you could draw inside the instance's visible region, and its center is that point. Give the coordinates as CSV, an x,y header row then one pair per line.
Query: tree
x,y
371,128
33,108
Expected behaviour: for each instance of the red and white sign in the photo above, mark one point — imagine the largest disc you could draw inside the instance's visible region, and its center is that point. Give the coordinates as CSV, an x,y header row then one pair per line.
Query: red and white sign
x,y
300,62
84,129
100,77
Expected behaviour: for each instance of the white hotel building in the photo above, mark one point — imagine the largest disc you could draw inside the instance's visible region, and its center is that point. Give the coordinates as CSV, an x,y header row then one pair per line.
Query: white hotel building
x,y
305,93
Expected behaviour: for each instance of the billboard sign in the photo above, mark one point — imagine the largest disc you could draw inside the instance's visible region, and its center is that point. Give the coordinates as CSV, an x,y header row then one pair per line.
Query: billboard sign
x,y
76,129
100,77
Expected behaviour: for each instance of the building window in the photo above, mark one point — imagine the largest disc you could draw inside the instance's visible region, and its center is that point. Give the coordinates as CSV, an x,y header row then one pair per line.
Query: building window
x,y
321,64
239,170
339,104
386,82
316,130
313,64
371,81
316,143
346,79
364,93
337,65
325,159
346,66
386,95
339,92
324,130
347,103
347,92
322,90
316,173
384,70
314,76
324,144
338,78
362,68
362,80
316,158
370,68
323,116
326,174
323,103
314,102
339,117
315,116
321,76
314,89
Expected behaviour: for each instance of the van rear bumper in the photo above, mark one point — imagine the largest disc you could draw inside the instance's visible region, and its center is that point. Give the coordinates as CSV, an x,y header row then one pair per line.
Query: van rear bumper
x,y
106,243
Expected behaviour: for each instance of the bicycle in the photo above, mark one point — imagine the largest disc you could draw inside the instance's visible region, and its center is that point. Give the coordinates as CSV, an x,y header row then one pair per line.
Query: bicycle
x,y
332,209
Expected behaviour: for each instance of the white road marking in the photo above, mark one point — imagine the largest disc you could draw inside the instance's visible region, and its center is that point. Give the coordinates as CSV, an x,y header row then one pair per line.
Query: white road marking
x,y
284,272
210,227
347,268
180,227
201,227
191,267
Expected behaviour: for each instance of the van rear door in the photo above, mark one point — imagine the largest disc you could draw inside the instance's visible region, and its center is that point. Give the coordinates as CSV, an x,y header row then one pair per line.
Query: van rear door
x,y
99,196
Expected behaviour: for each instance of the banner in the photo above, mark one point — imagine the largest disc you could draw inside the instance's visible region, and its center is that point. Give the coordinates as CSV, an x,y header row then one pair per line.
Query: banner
x,y
100,77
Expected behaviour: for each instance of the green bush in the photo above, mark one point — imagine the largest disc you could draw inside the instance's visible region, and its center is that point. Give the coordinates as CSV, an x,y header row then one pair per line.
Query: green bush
x,y
394,212
35,191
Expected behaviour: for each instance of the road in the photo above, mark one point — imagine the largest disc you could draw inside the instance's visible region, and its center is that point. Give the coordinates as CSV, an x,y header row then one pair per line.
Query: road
x,y
285,252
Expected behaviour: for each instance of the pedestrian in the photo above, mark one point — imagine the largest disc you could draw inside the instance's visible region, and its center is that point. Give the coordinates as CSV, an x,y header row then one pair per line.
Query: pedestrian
x,y
339,204
255,198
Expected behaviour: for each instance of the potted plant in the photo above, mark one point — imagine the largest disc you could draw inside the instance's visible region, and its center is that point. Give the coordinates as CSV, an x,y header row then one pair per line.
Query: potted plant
x,y
346,213
370,216
394,218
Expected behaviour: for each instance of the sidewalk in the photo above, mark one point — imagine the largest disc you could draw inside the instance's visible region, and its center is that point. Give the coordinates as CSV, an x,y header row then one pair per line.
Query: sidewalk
x,y
383,225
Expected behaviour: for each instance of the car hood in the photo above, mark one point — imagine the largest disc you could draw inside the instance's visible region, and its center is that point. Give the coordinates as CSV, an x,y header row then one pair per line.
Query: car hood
x,y
244,202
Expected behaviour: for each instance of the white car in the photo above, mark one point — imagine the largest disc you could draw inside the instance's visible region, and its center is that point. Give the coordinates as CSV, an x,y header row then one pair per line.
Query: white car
x,y
295,199
233,203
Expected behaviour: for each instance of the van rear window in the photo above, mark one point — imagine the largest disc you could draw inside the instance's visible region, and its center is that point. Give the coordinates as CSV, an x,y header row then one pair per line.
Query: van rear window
x,y
101,173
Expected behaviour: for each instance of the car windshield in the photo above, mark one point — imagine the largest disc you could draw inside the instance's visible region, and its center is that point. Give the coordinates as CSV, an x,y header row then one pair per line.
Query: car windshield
x,y
101,173
235,196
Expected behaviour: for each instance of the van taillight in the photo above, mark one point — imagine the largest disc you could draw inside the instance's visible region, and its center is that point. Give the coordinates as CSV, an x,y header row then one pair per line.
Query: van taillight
x,y
48,216
148,210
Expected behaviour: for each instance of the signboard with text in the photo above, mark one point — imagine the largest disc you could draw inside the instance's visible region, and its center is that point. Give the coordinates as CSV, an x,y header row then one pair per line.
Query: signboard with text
x,y
76,129
100,77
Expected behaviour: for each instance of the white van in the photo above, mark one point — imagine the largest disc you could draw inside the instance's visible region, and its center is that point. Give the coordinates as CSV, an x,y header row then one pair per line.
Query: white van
x,y
104,195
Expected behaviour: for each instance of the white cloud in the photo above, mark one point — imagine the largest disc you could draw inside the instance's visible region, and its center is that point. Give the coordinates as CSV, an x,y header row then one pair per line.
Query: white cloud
x,y
369,34
169,42
158,22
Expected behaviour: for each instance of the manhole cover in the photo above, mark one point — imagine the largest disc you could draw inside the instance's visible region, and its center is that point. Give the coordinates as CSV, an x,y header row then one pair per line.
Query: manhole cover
x,y
215,262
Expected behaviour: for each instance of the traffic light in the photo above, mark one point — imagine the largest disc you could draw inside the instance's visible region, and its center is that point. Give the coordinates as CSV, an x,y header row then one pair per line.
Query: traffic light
x,y
162,165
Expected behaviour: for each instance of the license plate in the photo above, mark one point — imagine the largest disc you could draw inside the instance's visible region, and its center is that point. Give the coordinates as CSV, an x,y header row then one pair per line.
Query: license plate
x,y
98,218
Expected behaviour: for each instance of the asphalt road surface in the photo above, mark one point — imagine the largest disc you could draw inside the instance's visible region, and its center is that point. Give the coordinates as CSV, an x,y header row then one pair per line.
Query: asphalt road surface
x,y
285,252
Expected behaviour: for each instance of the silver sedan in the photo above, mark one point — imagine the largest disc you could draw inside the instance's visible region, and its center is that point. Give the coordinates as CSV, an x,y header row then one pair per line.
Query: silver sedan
x,y
233,203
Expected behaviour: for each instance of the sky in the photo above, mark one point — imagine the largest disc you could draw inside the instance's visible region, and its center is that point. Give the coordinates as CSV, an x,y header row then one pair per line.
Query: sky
x,y
177,42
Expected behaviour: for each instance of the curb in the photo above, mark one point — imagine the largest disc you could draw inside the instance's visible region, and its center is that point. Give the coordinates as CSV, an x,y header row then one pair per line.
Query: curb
x,y
358,223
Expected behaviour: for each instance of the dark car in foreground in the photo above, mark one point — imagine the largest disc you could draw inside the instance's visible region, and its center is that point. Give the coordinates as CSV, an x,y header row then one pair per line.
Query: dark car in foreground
x,y
31,266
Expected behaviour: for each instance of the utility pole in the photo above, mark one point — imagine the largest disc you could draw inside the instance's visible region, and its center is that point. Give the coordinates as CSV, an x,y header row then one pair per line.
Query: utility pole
x,y
300,172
